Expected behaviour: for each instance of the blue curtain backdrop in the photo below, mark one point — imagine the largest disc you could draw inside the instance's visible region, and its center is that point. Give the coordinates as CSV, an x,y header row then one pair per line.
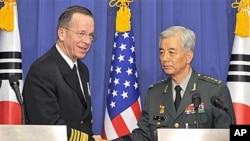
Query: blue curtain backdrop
x,y
213,21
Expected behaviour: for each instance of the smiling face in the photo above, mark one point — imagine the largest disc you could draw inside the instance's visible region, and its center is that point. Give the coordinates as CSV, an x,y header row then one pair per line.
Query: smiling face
x,y
76,39
174,59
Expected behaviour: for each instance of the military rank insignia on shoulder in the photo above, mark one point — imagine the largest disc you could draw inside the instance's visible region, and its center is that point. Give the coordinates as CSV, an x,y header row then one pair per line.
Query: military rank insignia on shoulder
x,y
158,83
209,78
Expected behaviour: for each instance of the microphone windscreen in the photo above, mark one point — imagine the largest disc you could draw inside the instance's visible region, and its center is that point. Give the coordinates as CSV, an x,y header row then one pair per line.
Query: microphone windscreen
x,y
214,99
196,98
13,80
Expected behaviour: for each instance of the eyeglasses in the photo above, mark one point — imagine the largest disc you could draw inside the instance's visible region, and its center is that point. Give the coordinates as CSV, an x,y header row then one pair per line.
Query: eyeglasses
x,y
82,34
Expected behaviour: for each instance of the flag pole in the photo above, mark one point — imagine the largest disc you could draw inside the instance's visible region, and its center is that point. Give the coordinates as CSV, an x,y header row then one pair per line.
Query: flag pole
x,y
238,79
123,106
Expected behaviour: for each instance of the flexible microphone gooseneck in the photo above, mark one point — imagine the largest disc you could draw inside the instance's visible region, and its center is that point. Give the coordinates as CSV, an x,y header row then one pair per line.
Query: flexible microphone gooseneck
x,y
14,83
196,100
217,102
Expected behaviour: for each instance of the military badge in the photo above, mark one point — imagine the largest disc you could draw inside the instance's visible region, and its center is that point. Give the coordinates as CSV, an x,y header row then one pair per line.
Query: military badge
x,y
190,109
162,109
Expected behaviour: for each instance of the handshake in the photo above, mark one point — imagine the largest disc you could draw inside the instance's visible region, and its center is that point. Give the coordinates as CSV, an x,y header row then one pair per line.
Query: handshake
x,y
98,138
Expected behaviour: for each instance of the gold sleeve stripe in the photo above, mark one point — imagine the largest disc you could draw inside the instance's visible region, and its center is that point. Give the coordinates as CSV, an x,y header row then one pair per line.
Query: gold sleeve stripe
x,y
84,136
77,135
72,135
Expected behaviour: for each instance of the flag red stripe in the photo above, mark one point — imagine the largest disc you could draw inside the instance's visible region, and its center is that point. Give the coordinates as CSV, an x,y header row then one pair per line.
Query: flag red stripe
x,y
136,109
242,113
120,126
104,136
10,112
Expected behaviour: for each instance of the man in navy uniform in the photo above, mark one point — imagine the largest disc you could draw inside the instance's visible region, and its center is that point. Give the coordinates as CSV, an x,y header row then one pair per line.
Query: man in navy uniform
x,y
56,90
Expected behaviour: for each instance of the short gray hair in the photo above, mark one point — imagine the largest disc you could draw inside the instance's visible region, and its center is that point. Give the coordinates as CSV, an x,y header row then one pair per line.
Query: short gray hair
x,y
186,35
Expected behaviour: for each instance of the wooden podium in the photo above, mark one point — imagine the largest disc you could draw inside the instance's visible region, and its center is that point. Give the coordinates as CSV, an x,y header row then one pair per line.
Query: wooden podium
x,y
197,134
33,133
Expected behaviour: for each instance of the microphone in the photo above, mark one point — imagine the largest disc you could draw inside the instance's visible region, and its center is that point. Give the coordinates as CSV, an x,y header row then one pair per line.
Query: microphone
x,y
14,83
196,100
217,102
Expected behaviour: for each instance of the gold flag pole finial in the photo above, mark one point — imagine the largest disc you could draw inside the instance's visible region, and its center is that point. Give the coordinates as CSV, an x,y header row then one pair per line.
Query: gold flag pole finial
x,y
242,17
123,15
7,15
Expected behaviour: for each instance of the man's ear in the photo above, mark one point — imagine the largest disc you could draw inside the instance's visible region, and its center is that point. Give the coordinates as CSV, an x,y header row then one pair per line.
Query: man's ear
x,y
61,33
190,55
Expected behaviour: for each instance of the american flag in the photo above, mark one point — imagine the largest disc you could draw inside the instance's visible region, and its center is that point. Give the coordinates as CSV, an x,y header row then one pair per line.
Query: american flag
x,y
123,100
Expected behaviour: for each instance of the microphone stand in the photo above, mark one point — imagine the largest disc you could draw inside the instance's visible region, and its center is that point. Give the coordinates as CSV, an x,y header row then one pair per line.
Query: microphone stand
x,y
14,83
197,117
23,116
217,102
196,100
228,112
19,99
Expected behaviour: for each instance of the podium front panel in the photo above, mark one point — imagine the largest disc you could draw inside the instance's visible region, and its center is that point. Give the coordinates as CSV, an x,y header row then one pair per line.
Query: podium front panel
x,y
193,134
33,133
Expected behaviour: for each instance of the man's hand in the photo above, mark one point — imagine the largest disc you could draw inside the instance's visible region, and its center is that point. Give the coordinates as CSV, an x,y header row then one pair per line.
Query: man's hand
x,y
98,138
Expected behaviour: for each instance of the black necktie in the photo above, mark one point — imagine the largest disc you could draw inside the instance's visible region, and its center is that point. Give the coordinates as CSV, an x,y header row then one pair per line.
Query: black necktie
x,y
78,80
75,70
178,97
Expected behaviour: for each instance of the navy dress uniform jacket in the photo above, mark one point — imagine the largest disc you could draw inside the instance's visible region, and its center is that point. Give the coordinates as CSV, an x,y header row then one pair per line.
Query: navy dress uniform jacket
x,y
52,95
159,110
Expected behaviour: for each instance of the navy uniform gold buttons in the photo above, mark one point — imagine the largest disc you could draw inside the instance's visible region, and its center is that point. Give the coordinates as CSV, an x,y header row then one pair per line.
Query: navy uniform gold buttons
x,y
81,122
176,125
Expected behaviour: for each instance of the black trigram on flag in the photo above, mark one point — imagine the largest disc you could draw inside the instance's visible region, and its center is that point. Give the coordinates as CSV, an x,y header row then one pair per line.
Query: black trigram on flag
x,y
10,64
238,79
